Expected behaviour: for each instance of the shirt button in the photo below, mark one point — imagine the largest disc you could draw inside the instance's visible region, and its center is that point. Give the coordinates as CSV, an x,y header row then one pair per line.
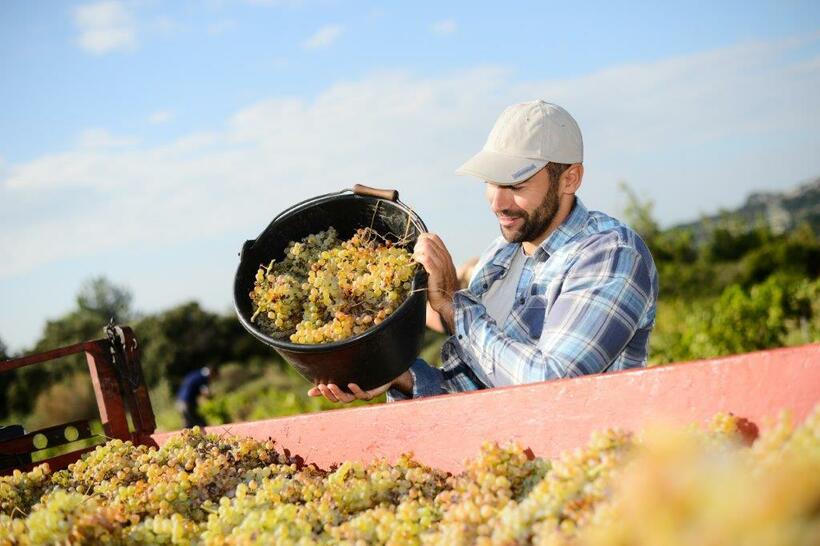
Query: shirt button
x,y
521,301
485,285
460,336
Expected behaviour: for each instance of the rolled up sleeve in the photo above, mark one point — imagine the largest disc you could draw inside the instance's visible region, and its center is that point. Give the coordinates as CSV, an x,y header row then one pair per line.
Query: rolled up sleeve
x,y
427,381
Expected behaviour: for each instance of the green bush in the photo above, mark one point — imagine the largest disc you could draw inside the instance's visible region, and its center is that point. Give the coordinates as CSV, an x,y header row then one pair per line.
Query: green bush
x,y
783,309
276,392
71,399
728,243
797,253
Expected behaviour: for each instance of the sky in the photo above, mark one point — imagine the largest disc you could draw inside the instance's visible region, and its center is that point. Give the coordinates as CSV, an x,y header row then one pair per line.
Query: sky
x,y
145,141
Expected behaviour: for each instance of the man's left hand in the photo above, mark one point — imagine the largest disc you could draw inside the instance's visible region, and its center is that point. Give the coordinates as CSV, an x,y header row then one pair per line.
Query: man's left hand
x,y
403,383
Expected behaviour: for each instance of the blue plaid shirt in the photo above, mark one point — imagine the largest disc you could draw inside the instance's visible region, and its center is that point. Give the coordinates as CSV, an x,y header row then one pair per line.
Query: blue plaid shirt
x,y
585,303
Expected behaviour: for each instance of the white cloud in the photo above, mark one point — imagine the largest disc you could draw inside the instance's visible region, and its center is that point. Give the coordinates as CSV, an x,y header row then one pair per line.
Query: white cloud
x,y
695,131
164,25
276,3
98,138
105,26
160,117
323,37
446,26
222,26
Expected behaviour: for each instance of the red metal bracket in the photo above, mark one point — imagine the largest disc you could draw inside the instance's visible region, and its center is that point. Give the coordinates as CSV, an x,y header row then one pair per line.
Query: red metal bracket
x,y
116,374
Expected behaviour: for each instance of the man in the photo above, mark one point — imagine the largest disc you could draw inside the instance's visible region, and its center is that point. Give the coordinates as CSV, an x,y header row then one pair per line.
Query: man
x,y
194,385
563,292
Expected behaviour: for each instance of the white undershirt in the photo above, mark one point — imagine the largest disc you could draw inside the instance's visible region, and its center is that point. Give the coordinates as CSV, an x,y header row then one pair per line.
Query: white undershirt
x,y
499,300
500,297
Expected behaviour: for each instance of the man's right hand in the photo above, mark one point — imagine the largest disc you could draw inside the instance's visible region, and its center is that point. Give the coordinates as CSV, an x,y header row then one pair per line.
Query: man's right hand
x,y
442,280
403,383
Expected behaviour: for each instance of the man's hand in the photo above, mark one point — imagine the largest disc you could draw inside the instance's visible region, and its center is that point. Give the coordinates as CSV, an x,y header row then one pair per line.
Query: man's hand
x,y
403,383
442,281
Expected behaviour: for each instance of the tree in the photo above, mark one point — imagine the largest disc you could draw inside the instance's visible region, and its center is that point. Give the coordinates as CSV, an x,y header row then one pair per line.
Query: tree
x,y
638,214
105,299
675,245
98,301
797,252
179,340
5,378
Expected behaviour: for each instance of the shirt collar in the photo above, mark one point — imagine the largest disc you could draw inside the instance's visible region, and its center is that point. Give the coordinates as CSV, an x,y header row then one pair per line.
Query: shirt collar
x,y
574,223
504,257
564,233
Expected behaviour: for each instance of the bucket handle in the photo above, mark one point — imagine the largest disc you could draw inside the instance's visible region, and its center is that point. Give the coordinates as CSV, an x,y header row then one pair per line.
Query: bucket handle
x,y
390,195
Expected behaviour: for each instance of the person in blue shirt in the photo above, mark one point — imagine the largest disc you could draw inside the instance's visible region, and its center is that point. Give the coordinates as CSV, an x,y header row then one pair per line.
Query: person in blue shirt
x,y
194,385
564,291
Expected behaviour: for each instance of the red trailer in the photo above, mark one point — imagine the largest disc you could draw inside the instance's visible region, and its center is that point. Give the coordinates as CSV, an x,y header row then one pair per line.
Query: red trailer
x,y
444,431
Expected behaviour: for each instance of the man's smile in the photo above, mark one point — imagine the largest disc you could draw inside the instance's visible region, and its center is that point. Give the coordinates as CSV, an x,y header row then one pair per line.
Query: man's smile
x,y
509,221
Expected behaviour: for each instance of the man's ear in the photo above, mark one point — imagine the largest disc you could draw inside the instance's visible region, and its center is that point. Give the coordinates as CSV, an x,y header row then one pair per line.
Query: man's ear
x,y
571,179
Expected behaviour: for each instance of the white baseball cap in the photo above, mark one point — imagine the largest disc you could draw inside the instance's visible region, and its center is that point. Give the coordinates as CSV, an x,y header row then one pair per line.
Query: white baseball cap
x,y
524,139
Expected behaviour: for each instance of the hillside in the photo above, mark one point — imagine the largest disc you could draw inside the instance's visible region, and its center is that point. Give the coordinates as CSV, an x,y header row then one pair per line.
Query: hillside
x,y
780,211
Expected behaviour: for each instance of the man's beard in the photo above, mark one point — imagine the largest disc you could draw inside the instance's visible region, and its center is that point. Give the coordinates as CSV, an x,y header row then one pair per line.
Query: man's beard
x,y
536,223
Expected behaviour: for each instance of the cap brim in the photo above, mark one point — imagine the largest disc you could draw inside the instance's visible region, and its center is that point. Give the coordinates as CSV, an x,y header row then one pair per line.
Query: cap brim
x,y
501,169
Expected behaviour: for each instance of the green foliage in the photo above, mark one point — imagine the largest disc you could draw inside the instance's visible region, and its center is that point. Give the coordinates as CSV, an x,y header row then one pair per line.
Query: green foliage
x,y
261,390
68,400
188,337
744,321
97,302
104,299
638,214
760,317
729,242
796,253
741,288
676,245
782,308
431,347
164,405
6,379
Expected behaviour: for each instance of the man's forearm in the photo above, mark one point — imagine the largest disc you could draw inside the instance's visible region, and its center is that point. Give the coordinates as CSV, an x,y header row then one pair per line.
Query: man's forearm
x,y
419,381
404,383
447,317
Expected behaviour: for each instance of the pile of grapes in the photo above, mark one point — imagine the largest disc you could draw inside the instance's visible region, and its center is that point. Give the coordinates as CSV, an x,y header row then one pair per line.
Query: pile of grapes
x,y
693,486
328,290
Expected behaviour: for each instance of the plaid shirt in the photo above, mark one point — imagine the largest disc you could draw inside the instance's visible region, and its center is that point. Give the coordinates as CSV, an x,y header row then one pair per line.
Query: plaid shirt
x,y
585,303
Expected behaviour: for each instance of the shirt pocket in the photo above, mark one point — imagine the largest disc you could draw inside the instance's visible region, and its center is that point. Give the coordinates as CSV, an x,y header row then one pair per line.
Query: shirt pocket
x,y
531,315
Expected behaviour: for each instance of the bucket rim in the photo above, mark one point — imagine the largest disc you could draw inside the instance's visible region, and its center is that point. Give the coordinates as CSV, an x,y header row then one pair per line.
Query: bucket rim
x,y
419,279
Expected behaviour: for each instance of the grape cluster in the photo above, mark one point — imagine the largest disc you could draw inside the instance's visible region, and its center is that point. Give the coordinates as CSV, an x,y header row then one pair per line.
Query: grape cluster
x,y
21,490
328,290
665,486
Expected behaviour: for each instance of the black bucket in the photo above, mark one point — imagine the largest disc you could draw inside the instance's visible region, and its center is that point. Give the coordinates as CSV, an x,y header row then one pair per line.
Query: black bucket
x,y
384,351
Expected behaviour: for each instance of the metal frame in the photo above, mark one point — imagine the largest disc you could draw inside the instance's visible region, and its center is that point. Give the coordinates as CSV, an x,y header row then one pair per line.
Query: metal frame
x,y
119,385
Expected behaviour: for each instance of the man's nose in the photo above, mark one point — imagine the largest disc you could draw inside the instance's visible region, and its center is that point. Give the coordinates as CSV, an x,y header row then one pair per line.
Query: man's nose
x,y
499,198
